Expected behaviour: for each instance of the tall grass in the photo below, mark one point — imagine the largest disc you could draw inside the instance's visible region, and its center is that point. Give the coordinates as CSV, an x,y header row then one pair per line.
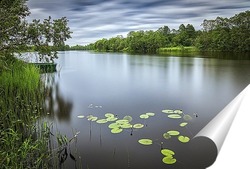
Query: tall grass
x,y
23,143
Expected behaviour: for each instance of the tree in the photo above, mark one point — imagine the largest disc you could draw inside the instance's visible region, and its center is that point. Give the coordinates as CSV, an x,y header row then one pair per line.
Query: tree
x,y
19,35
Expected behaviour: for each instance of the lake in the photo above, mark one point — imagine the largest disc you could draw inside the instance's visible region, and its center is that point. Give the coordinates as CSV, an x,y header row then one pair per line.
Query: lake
x,y
89,83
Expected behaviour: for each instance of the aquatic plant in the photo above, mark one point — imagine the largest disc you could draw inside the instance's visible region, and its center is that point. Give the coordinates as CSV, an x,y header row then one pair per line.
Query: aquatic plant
x,y
24,140
145,141
168,156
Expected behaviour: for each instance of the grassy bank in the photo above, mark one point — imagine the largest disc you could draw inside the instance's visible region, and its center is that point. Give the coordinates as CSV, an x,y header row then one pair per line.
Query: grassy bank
x,y
23,142
178,49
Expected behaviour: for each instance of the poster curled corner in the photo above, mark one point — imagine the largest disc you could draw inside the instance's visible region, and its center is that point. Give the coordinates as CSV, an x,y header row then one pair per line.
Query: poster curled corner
x,y
205,146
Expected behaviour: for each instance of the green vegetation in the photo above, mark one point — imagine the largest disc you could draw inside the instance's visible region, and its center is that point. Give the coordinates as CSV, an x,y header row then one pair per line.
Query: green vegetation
x,y
24,142
168,156
145,141
24,139
118,125
17,34
220,34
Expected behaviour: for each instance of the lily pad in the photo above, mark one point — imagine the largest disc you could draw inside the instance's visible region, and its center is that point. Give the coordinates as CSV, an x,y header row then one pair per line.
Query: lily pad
x,y
144,116
116,130
167,152
145,141
167,111
92,118
138,126
126,126
173,133
178,111
166,135
109,115
80,116
123,121
168,160
174,116
150,114
187,117
129,118
183,139
112,118
101,121
183,124
114,125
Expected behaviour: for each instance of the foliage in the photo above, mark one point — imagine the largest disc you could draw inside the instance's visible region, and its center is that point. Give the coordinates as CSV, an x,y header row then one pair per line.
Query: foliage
x,y
19,35
24,143
226,34
221,34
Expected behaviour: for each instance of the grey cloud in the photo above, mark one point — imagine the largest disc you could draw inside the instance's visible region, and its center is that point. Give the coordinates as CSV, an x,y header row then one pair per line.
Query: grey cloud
x,y
91,20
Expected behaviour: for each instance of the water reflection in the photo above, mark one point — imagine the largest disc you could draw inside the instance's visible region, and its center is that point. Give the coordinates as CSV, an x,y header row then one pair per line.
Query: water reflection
x,y
57,105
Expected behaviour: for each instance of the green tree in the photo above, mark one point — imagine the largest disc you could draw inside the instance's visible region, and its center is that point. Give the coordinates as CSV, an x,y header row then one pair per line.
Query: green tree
x,y
17,34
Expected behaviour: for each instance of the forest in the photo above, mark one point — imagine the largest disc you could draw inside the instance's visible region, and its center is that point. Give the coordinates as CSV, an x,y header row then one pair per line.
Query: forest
x,y
219,34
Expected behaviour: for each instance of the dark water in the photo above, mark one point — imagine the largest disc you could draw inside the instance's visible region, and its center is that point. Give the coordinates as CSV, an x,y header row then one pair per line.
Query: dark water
x,y
97,83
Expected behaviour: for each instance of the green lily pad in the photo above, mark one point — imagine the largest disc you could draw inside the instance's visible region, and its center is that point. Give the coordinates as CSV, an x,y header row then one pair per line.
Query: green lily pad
x,y
109,115
116,130
150,114
92,118
166,135
144,116
80,116
138,126
126,126
174,116
167,152
178,111
123,121
183,139
101,121
114,125
145,141
168,160
129,118
173,133
167,111
183,124
112,118
187,117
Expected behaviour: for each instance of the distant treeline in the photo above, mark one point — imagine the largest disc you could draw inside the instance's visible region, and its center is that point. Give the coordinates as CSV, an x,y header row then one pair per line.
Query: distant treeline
x,y
220,34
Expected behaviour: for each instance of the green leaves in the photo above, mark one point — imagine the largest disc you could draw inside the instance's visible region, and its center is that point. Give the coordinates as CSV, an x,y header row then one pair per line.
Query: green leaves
x,y
80,116
183,124
145,141
116,130
174,116
119,125
183,139
173,133
138,126
144,116
169,156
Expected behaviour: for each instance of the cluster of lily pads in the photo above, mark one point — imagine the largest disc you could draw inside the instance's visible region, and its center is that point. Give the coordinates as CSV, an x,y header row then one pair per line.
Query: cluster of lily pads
x,y
118,125
168,154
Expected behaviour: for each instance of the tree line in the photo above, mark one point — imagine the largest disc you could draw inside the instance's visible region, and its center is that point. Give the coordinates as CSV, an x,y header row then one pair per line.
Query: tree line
x,y
220,34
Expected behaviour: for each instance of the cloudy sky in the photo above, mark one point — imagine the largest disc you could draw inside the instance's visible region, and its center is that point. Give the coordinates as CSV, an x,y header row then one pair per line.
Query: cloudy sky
x,y
91,20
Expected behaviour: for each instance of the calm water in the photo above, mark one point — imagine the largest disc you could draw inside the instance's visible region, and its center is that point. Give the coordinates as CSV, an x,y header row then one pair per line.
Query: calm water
x,y
97,83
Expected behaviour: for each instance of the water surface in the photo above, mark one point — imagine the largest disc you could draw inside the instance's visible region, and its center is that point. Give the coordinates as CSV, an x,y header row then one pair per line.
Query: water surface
x,y
97,83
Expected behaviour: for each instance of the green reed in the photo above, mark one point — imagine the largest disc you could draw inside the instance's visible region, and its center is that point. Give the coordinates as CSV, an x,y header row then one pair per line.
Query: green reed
x,y
23,142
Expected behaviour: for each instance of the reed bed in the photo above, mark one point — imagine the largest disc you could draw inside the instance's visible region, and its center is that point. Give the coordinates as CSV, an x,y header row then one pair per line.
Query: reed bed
x,y
23,140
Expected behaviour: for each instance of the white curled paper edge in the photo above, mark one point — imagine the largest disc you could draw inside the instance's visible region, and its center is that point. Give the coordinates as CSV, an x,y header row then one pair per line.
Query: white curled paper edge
x,y
206,145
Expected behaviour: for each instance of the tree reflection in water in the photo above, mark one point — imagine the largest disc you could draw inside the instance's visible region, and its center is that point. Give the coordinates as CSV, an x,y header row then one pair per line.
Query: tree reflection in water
x,y
56,106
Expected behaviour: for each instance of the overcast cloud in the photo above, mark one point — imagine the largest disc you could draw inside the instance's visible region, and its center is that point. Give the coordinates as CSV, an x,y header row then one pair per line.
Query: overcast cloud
x,y
91,20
